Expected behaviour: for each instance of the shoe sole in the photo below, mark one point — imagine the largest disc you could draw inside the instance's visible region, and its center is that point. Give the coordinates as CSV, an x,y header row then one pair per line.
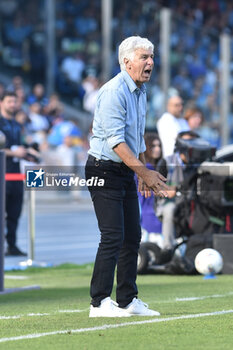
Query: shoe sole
x,y
141,314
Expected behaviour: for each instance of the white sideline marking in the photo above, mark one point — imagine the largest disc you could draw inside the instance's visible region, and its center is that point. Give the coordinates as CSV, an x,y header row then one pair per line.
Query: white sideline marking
x,y
84,310
71,311
9,317
19,316
111,326
12,277
40,314
190,298
205,297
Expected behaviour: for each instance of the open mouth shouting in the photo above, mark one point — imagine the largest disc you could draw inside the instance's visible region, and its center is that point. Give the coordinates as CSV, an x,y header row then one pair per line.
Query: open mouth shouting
x,y
147,72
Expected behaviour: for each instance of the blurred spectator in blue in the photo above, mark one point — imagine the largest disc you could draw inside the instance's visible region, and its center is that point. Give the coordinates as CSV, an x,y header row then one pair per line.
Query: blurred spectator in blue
x,y
61,130
70,77
54,110
22,118
66,152
16,83
196,68
8,7
21,103
183,83
18,29
86,22
72,67
38,122
38,95
35,61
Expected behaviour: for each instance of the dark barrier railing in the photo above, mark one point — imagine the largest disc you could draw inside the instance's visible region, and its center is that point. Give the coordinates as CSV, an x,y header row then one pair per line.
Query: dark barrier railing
x,y
2,217
31,217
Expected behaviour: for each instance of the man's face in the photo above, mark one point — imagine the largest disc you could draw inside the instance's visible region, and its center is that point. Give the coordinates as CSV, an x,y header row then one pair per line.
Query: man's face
x,y
140,68
8,105
175,106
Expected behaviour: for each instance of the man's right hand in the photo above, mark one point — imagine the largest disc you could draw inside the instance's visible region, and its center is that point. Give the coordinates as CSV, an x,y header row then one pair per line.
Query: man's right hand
x,y
153,180
156,182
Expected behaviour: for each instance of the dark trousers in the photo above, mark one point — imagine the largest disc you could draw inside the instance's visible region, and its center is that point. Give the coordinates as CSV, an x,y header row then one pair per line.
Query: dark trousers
x,y
14,201
117,211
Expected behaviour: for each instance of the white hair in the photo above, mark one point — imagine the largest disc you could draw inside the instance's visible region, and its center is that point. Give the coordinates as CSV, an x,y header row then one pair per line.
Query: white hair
x,y
128,47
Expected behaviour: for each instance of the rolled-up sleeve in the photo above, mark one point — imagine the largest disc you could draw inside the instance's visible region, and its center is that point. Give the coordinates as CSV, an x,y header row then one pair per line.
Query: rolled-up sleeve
x,y
113,116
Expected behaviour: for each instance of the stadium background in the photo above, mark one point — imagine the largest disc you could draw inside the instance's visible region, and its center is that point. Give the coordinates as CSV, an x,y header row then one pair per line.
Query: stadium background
x,y
78,63
60,306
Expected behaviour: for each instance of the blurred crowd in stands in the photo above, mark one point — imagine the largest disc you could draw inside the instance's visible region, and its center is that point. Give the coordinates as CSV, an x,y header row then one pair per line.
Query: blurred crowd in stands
x,y
44,123
196,26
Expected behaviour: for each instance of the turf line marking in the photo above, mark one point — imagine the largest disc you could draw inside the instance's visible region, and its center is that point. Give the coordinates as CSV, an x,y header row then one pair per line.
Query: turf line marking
x,y
20,316
11,277
204,297
13,317
112,326
71,311
84,310
190,298
10,317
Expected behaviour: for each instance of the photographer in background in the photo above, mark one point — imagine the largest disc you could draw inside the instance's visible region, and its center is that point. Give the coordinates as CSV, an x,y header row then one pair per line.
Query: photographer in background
x,y
14,152
175,168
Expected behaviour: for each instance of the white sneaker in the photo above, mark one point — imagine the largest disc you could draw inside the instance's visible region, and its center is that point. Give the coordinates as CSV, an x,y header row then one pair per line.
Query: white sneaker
x,y
138,308
108,308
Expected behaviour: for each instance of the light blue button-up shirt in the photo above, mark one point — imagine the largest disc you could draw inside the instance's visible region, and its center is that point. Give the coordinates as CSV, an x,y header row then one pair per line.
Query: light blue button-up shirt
x,y
119,117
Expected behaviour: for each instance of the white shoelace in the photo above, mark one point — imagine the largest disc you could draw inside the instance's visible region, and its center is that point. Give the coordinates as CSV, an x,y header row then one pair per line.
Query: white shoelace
x,y
113,304
140,302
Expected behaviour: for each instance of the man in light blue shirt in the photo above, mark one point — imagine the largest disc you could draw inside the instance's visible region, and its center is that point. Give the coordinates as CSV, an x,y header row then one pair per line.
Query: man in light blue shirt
x,y
116,153
121,120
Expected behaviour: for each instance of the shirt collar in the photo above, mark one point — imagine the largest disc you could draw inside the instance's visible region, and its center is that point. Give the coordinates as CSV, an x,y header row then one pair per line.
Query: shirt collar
x,y
131,84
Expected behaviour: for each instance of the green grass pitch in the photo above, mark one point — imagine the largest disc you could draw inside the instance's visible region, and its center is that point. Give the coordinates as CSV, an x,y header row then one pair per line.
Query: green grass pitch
x,y
58,313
